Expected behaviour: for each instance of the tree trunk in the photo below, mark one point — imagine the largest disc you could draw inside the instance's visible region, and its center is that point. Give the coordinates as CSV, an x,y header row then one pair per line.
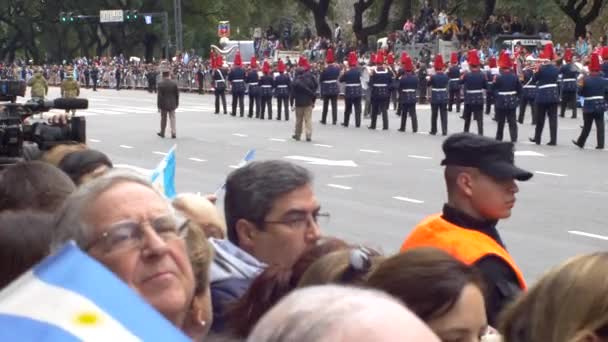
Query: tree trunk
x,y
489,7
319,10
363,33
580,29
575,8
406,13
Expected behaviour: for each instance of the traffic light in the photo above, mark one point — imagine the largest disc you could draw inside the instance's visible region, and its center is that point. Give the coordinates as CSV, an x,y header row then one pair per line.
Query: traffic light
x,y
71,17
66,17
131,15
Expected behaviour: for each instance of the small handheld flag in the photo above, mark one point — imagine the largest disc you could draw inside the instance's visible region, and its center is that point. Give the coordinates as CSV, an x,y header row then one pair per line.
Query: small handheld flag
x,y
163,177
248,157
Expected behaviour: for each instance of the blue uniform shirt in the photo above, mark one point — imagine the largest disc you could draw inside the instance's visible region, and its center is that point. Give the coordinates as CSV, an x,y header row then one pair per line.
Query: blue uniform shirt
x,y
252,79
439,88
408,86
266,85
380,82
329,80
454,76
474,82
237,79
352,82
529,88
594,90
507,90
546,84
569,76
281,83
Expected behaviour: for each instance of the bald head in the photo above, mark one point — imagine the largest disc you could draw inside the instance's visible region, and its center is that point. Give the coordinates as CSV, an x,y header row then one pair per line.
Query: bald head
x,y
332,313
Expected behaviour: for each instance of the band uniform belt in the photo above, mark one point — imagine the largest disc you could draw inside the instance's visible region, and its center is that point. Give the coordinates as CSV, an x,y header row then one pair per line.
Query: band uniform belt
x,y
478,91
353,84
439,89
408,90
330,81
282,86
552,85
507,93
591,98
253,83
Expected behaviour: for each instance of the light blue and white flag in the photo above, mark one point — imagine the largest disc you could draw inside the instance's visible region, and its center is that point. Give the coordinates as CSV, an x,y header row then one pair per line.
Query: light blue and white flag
x,y
163,177
248,157
71,297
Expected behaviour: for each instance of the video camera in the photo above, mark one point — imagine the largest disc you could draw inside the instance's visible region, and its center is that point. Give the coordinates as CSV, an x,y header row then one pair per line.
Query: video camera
x,y
15,128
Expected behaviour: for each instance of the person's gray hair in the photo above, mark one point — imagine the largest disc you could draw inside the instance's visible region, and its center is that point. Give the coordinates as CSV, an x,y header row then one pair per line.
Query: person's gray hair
x,y
313,313
70,222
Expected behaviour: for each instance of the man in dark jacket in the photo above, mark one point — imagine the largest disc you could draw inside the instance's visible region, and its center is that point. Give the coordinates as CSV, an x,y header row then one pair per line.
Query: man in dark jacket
x,y
304,92
167,101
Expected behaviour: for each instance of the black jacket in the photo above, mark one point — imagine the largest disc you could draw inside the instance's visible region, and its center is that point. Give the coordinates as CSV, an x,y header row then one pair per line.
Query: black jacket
x,y
304,89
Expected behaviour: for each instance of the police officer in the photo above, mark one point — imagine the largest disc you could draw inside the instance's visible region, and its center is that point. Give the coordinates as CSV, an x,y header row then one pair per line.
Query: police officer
x,y
408,86
252,80
151,76
439,96
237,82
352,90
94,76
454,85
528,96
480,177
87,76
474,82
219,82
118,76
69,87
39,85
547,96
282,84
493,71
329,87
380,82
507,90
266,86
569,77
593,88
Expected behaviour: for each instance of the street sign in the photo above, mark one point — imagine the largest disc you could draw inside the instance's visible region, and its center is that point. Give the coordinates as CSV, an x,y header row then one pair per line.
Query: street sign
x,y
112,16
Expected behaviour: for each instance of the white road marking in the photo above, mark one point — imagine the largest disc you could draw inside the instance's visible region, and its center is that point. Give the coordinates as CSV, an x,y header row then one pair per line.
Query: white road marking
x,y
595,236
277,139
94,140
550,174
126,146
411,200
239,135
321,161
323,145
161,153
338,186
528,154
596,192
419,157
369,151
197,160
423,133
345,176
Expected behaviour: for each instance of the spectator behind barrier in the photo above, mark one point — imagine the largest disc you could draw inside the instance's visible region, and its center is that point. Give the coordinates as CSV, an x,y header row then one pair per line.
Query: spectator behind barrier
x,y
24,241
34,185
86,165
568,304
444,292
204,213
151,258
339,314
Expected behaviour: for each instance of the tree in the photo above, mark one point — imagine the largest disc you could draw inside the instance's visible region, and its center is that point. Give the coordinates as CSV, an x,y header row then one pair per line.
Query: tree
x,y
319,11
489,6
581,12
362,33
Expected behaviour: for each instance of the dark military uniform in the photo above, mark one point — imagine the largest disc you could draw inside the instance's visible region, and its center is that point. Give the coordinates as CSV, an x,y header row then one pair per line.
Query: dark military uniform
x,y
237,80
547,98
282,90
352,95
330,91
507,90
474,83
454,88
152,75
594,91
528,96
252,81
380,83
219,83
118,77
408,86
439,101
266,87
94,77
490,91
568,88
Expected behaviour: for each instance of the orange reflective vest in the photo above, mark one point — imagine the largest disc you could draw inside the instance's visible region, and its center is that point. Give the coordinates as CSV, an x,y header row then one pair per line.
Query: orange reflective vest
x,y
466,245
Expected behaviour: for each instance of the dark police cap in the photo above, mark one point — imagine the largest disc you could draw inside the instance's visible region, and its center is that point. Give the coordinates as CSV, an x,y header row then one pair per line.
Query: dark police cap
x,y
493,158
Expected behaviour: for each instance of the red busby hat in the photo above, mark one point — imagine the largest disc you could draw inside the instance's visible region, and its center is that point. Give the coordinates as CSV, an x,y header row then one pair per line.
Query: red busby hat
x,y
568,55
548,52
372,59
492,62
352,59
380,58
219,61
594,63
504,61
390,59
438,64
454,58
473,58
303,63
280,66
237,59
407,62
330,56
605,53
266,68
253,63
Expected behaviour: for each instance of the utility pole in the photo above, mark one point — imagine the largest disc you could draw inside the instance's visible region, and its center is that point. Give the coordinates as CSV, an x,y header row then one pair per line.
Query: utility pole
x,y
179,38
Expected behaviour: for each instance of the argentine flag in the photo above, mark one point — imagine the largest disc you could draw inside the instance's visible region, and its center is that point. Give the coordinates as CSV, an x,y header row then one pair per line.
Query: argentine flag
x,y
71,297
163,177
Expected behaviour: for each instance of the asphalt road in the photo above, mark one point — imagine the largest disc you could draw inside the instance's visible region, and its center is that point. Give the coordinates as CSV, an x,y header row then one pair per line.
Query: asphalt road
x,y
377,185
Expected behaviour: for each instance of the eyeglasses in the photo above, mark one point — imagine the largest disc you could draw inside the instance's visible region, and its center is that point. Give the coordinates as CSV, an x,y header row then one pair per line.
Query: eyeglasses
x,y
303,221
126,235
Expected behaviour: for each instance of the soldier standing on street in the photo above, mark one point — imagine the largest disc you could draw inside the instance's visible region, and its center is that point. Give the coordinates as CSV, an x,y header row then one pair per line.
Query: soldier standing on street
x,y
118,76
507,89
490,78
304,93
380,83
219,83
547,97
87,76
167,102
439,96
252,80
39,85
474,82
282,84
151,77
594,89
94,76
352,91
266,85
529,93
408,86
237,81
69,87
329,88
454,85
569,78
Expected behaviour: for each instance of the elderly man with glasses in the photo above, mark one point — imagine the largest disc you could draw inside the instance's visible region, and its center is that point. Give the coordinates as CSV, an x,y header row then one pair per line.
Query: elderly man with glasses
x,y
124,223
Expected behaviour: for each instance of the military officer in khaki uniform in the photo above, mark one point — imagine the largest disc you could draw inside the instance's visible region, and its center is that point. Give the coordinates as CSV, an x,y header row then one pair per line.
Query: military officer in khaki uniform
x,y
69,87
39,85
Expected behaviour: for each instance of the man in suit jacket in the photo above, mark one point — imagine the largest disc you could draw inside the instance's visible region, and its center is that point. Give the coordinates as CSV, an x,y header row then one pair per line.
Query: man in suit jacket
x,y
168,101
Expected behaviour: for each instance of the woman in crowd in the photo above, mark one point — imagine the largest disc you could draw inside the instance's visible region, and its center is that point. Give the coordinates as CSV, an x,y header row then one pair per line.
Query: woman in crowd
x,y
203,212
